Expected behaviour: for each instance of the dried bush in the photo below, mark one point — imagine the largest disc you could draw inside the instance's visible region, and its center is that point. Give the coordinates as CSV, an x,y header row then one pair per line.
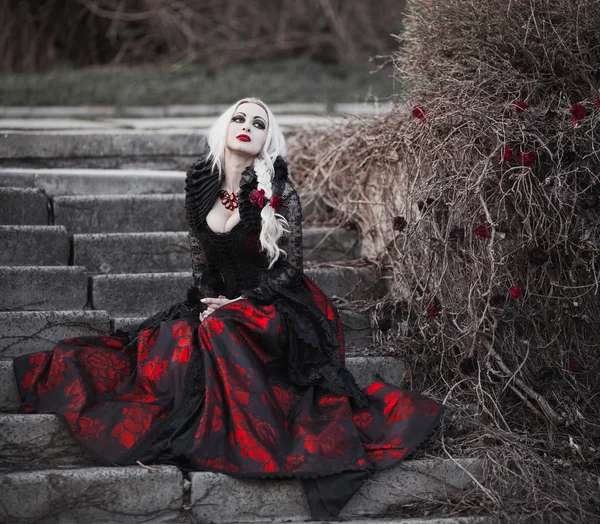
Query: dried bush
x,y
481,192
38,35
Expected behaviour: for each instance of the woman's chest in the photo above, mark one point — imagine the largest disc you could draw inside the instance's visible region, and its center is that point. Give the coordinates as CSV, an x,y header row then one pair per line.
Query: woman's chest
x,y
220,219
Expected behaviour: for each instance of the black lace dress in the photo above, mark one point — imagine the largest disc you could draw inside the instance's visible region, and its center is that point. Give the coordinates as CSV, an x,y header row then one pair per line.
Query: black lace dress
x,y
257,389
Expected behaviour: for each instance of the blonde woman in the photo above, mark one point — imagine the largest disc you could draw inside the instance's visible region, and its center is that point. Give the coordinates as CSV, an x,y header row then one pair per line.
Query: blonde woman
x,y
247,377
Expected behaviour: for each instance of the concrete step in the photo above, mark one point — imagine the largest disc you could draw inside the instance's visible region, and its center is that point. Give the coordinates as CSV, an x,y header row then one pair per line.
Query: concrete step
x,y
66,182
104,149
164,252
39,288
23,332
120,213
366,370
23,206
34,245
358,333
160,494
143,294
95,494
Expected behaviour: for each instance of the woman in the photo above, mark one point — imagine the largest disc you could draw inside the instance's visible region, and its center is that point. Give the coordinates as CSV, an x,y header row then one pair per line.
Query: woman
x,y
247,376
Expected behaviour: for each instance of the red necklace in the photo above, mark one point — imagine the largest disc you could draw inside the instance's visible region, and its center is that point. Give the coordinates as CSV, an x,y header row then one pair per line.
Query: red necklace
x,y
230,201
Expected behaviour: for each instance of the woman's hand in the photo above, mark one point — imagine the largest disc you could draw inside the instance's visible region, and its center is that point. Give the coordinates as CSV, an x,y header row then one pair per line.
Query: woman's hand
x,y
215,303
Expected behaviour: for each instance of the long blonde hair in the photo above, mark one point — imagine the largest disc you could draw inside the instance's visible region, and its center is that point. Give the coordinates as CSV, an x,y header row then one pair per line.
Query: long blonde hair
x,y
273,224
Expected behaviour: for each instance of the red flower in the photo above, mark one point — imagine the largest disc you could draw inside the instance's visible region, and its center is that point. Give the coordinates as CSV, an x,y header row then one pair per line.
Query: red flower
x,y
154,369
330,442
527,158
38,360
516,292
483,231
133,426
433,310
419,112
520,106
107,369
397,406
363,419
146,340
578,113
373,388
75,391
276,202
90,428
258,197
507,154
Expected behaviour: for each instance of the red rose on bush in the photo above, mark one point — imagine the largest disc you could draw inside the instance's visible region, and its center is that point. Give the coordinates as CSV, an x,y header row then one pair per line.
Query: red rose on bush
x,y
258,197
578,113
433,310
527,158
507,154
483,231
520,106
276,202
419,112
516,292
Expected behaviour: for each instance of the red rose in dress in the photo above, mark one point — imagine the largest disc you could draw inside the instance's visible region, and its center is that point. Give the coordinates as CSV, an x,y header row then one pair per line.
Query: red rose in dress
x,y
397,406
154,369
90,428
146,340
483,231
363,419
419,112
183,333
578,113
214,325
77,395
112,342
258,197
373,388
520,106
516,292
237,387
38,361
107,369
285,397
507,154
56,373
220,463
527,158
330,442
133,427
293,463
276,202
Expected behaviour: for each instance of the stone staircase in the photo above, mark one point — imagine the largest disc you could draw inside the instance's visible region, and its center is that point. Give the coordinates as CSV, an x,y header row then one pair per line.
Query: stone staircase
x,y
86,251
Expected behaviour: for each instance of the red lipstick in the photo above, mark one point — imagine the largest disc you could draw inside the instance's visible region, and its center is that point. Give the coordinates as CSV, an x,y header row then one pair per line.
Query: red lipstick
x,y
243,138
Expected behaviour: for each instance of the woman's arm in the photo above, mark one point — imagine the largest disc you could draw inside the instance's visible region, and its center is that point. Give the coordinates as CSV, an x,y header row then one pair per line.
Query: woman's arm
x,y
207,279
287,271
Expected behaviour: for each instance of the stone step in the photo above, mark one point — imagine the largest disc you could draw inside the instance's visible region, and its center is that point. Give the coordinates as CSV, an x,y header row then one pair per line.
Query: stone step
x,y
366,370
23,332
158,493
143,294
34,245
66,182
170,251
95,494
104,149
23,206
120,213
39,288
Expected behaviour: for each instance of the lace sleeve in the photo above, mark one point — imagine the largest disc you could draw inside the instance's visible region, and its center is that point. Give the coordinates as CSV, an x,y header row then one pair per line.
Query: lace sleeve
x,y
207,279
288,269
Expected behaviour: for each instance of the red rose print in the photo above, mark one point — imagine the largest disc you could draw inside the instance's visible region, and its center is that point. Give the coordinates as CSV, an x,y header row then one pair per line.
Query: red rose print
x,y
507,154
214,325
182,331
527,158
77,395
293,463
212,419
483,231
520,106
146,340
258,197
154,369
516,292
237,387
90,428
385,449
106,369
56,373
276,201
362,419
285,398
330,442
397,406
578,113
248,444
419,112
329,400
38,361
220,463
112,342
373,388
134,425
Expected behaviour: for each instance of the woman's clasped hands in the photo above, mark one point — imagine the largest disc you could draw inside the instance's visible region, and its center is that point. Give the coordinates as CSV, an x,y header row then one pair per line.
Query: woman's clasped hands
x,y
214,303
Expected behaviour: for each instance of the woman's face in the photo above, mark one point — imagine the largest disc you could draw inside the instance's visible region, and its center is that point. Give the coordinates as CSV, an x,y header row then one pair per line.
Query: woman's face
x,y
247,131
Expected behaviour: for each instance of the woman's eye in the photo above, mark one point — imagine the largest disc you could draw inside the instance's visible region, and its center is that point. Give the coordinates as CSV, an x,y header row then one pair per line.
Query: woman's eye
x,y
238,118
260,125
